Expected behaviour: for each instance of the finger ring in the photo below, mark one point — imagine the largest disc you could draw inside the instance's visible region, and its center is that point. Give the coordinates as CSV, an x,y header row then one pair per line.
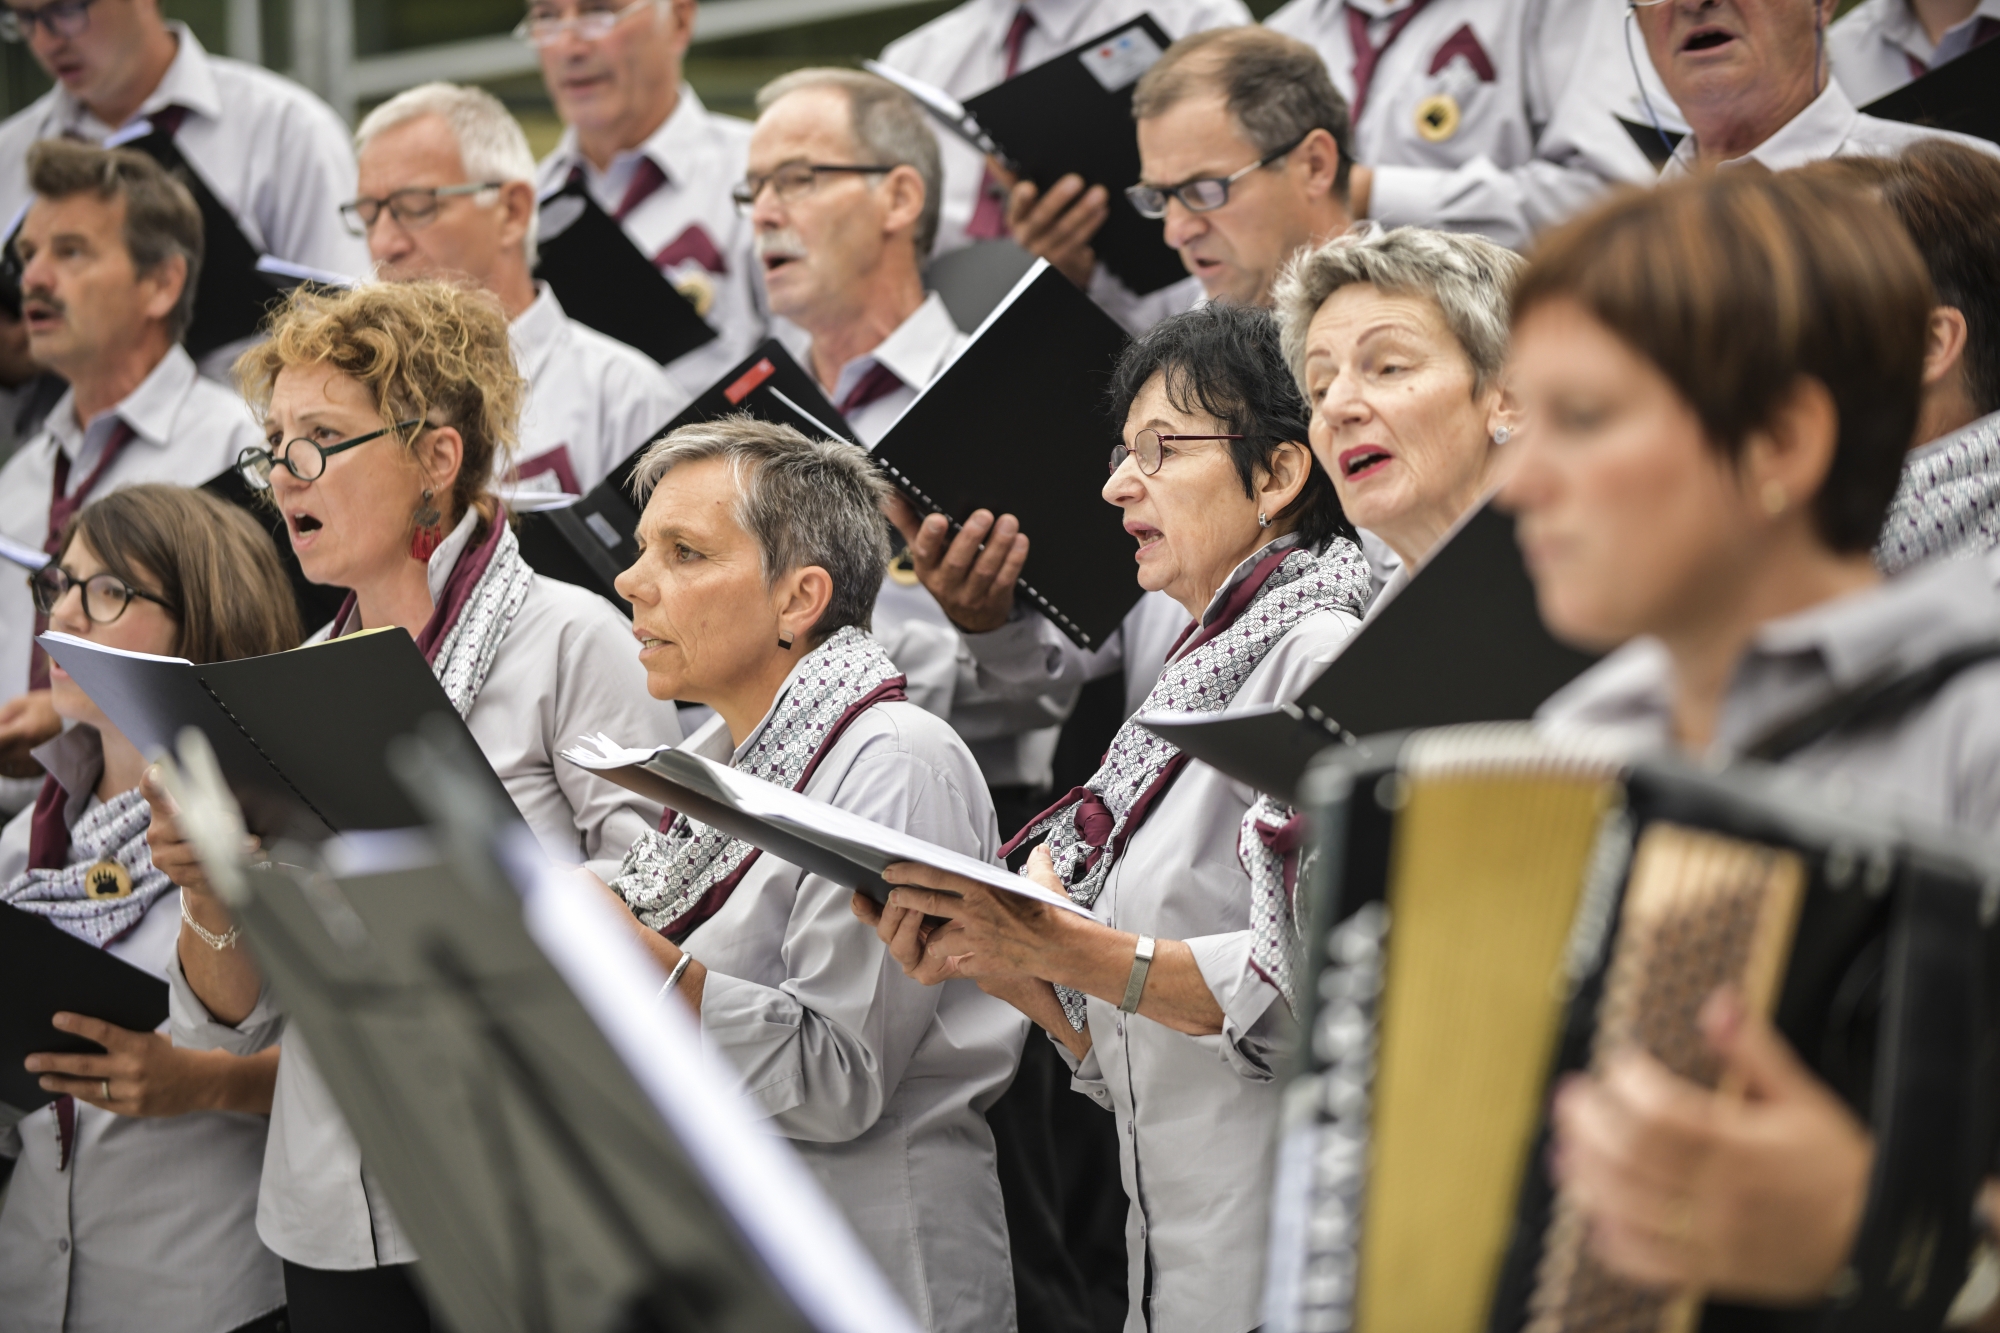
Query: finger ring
x,y
107,1088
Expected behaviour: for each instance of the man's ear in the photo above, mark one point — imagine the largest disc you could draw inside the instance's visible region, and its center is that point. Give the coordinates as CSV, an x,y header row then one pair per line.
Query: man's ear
x,y
1319,155
163,285
1944,344
903,191
517,206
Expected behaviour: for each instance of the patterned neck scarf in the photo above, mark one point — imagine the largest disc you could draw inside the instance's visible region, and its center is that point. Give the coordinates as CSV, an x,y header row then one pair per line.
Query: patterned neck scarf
x,y
676,879
1949,501
1089,828
1272,847
58,883
486,590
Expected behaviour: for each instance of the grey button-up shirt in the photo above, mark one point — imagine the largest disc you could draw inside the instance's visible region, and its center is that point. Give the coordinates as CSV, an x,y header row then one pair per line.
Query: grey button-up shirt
x,y
1938,762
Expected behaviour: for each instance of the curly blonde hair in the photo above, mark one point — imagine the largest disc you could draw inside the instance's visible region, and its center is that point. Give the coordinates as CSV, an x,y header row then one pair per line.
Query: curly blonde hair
x,y
429,351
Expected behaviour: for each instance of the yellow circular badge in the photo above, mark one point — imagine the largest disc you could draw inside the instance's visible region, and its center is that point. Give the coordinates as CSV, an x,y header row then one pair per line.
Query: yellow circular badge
x,y
698,291
107,879
1437,117
903,569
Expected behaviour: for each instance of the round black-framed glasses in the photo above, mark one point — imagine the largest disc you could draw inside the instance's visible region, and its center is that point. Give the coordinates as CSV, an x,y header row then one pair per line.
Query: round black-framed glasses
x,y
1149,448
103,592
301,457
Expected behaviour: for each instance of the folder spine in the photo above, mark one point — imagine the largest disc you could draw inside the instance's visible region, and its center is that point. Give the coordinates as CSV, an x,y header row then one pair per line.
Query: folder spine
x,y
1043,604
282,775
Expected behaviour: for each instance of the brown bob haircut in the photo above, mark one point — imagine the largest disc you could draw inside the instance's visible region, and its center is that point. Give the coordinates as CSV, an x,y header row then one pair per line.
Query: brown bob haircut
x,y
161,219
210,562
433,352
1737,286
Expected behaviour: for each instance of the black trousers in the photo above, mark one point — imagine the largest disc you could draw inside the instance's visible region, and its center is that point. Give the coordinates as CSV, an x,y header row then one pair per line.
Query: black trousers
x,y
1058,1161
378,1300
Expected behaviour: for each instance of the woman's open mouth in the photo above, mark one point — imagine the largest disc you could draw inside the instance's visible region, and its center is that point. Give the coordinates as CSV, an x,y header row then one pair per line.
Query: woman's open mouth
x,y
1362,460
1147,537
302,525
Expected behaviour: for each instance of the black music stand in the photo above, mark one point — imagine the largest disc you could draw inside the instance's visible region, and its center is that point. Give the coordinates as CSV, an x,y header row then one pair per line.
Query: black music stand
x,y
541,1120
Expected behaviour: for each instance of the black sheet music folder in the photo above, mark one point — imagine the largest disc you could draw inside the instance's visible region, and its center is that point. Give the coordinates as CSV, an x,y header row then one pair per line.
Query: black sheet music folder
x,y
1017,424
1961,95
1462,642
603,280
1074,114
45,969
591,542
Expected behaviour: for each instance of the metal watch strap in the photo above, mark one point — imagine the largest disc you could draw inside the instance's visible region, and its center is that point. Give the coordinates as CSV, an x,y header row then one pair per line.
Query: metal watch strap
x,y
1135,985
674,977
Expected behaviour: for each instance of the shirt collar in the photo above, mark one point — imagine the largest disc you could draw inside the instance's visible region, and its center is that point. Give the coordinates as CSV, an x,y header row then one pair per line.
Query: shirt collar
x,y
1813,135
1986,427
534,331
75,759
913,352
188,82
1900,26
672,143
438,571
149,410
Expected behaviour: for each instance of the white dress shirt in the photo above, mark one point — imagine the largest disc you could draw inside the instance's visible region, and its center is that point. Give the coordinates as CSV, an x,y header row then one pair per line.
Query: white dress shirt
x,y
1467,123
1878,46
276,157
1197,1116
881,1084
1828,127
590,396
1029,657
153,1223
185,430
702,156
568,667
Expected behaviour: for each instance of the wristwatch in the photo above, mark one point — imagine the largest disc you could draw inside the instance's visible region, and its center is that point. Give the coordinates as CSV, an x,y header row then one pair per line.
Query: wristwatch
x,y
1135,985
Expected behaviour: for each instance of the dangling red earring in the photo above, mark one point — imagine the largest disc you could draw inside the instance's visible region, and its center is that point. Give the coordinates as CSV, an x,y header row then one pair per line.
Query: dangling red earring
x,y
428,535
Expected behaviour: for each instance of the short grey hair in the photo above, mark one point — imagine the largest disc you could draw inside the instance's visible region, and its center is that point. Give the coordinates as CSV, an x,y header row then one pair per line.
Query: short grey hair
x,y
888,127
491,143
1468,278
807,502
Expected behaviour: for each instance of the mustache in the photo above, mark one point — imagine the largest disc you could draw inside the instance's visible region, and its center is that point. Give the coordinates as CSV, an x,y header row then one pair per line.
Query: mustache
x,y
42,296
783,241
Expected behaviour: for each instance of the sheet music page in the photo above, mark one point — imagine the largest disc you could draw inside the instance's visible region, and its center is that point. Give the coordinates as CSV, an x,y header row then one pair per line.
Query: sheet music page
x,y
801,1237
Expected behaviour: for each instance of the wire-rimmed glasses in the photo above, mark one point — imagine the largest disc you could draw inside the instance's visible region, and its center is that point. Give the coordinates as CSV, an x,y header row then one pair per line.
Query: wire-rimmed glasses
x,y
1204,194
105,595
301,457
64,18
413,207
794,181
545,25
1149,448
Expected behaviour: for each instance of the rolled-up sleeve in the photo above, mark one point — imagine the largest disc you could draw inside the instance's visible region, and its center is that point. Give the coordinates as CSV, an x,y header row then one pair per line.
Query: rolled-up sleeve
x,y
1256,1021
1086,1075
191,1024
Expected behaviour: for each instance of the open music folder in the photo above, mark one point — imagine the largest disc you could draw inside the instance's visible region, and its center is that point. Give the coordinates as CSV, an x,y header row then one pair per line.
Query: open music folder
x,y
1462,642
589,543
1961,95
302,735
604,281
1018,423
45,969
1073,114
545,1124
820,838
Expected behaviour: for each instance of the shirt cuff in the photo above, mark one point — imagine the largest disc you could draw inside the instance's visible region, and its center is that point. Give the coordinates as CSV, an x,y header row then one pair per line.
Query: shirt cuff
x,y
1256,1023
1406,196
1018,653
192,1026
1086,1075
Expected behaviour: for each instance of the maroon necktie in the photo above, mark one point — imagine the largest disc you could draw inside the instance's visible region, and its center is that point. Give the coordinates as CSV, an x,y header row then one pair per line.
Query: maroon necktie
x,y
646,180
1367,55
1982,32
62,508
989,215
879,382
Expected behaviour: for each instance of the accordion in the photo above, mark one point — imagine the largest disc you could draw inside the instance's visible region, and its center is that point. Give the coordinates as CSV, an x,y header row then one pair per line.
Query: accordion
x,y
1491,910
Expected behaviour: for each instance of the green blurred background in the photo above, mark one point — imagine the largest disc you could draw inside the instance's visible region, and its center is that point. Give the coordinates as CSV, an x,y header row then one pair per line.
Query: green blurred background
x,y
726,71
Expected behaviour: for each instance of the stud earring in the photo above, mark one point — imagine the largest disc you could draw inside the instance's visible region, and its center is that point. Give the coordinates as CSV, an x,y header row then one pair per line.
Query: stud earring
x,y
1774,498
1502,435
428,535
785,640
1263,519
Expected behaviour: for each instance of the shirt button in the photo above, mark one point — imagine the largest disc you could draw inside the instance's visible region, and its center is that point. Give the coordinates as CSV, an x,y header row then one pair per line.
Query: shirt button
x,y
1119,1027
62,1245
1128,1129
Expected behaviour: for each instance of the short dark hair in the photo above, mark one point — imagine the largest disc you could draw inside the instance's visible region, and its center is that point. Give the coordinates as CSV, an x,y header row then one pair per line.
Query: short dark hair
x,y
212,564
1275,86
1225,360
161,219
1947,197
1738,286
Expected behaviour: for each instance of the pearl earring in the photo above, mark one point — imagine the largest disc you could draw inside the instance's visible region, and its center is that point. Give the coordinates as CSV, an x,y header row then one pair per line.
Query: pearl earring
x,y
1502,435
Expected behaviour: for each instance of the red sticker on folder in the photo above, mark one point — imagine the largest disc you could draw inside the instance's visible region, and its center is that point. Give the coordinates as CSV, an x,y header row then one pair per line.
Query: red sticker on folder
x,y
748,381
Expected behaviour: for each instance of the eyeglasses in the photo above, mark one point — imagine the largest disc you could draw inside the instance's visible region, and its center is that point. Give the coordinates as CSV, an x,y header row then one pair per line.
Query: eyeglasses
x,y
300,457
793,181
105,596
64,18
413,208
1149,447
545,26
1204,194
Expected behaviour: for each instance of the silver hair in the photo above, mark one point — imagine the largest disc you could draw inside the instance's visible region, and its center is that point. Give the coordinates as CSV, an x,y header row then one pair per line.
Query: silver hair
x,y
491,143
807,502
889,129
1468,278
